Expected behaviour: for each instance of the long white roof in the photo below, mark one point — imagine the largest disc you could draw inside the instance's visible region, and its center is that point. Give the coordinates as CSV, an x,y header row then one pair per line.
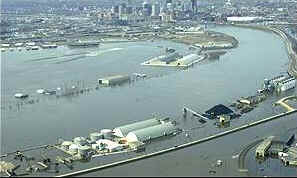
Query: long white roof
x,y
124,130
237,19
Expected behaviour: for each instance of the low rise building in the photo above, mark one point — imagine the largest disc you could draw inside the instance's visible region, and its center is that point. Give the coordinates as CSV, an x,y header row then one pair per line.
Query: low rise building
x,y
122,131
262,149
114,80
153,132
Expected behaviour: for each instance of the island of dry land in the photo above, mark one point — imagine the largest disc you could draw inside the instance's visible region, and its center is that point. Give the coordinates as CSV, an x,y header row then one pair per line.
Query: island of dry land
x,y
205,41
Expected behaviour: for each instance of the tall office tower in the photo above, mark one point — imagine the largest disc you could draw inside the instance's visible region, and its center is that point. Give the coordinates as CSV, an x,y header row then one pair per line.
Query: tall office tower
x,y
115,9
163,7
130,3
122,10
146,8
129,10
170,7
194,6
129,7
155,9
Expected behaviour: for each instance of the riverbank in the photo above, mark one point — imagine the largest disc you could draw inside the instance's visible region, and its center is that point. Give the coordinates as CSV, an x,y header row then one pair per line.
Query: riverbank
x,y
289,44
208,40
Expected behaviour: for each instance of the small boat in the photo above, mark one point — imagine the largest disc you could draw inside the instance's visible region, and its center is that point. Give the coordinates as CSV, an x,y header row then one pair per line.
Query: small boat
x,y
21,95
40,91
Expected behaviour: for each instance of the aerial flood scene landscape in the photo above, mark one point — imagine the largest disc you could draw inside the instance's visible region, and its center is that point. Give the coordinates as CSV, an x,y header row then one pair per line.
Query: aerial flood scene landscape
x,y
148,88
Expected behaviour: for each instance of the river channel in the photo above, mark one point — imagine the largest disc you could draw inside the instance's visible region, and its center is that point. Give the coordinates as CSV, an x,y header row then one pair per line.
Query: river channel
x,y
240,72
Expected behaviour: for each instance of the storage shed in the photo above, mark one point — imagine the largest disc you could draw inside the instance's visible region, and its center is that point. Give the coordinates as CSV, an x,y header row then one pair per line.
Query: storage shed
x,y
110,145
124,130
189,58
114,80
170,57
262,149
152,132
217,110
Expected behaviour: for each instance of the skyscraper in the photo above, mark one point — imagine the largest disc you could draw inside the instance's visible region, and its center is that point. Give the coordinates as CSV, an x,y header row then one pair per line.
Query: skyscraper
x,y
194,6
155,9
122,10
147,8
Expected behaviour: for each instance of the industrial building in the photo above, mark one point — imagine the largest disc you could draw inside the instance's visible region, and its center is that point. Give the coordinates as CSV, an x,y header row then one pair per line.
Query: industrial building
x,y
126,138
290,158
243,19
170,57
280,83
224,119
124,130
152,132
217,111
188,59
96,136
276,147
262,149
108,145
114,80
287,84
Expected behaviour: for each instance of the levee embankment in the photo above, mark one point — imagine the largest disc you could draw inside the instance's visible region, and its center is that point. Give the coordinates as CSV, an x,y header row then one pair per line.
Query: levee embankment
x,y
288,41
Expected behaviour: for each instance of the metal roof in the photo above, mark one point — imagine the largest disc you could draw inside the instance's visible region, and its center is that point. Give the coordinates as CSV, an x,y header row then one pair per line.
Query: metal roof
x,y
124,130
148,133
115,77
189,58
170,57
219,110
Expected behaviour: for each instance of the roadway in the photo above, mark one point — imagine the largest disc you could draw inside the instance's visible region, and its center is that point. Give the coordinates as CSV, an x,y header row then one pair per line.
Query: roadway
x,y
177,147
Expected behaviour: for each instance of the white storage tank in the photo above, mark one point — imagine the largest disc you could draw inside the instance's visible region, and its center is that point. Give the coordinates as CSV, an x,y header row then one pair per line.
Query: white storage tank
x,y
96,136
80,140
73,148
96,146
107,133
66,144
83,150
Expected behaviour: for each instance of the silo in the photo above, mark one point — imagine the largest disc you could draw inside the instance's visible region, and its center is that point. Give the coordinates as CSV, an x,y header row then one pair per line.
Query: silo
x,y
96,136
107,133
66,144
83,150
73,148
80,140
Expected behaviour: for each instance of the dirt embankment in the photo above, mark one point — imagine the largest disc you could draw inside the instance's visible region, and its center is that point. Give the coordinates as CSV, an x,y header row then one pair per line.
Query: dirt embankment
x,y
203,38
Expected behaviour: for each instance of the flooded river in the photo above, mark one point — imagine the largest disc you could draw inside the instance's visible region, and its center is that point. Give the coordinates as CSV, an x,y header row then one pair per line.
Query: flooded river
x,y
240,72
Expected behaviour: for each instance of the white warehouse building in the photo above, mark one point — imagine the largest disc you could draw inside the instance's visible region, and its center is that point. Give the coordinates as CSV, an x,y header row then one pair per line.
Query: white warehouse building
x,y
114,80
124,130
152,132
287,84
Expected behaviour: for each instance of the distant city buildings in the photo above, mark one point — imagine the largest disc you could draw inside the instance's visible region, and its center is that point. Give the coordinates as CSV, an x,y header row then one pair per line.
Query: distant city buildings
x,y
60,19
